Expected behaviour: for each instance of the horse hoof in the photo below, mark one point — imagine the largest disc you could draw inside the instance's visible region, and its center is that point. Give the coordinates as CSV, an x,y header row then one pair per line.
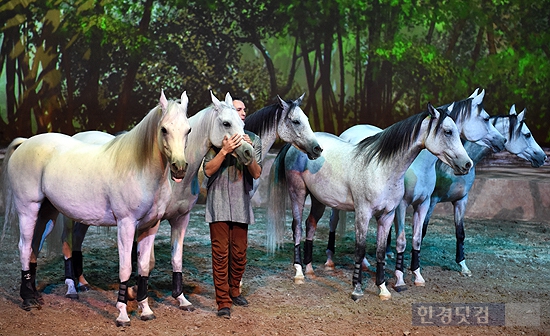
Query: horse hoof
x,y
384,297
400,288
299,280
29,304
356,296
329,266
390,255
84,288
420,283
147,317
72,296
122,323
188,308
466,273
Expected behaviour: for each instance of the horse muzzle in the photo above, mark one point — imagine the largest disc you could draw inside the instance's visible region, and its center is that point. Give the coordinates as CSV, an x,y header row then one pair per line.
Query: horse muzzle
x,y
177,173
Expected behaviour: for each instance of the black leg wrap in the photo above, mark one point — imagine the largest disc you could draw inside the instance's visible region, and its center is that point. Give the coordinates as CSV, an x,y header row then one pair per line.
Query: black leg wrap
x,y
32,271
331,241
399,262
77,263
380,276
297,255
69,272
142,287
177,284
459,251
357,274
308,252
26,290
415,260
123,292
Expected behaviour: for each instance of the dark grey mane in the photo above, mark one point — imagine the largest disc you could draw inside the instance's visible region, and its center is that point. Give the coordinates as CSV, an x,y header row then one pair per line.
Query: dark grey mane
x,y
461,109
394,139
513,120
266,118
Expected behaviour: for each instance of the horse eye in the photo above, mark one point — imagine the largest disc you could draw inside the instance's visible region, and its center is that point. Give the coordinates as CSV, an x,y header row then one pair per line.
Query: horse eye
x,y
296,122
528,135
226,124
448,132
486,119
164,131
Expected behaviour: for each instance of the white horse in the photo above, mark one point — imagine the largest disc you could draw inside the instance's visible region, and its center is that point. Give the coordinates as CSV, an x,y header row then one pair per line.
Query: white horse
x,y
125,182
455,189
209,126
367,177
473,124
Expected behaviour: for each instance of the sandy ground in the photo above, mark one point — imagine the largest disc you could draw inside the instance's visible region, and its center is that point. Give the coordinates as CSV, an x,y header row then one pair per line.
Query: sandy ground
x,y
510,262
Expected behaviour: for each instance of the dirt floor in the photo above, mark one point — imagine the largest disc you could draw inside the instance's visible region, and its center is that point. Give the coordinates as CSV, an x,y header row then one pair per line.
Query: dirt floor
x,y
510,262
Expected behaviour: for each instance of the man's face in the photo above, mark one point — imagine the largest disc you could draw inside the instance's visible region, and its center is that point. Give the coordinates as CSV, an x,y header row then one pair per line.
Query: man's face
x,y
241,109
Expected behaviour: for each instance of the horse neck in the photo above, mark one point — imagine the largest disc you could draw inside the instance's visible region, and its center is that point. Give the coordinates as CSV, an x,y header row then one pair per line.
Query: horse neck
x,y
268,139
198,141
476,152
402,161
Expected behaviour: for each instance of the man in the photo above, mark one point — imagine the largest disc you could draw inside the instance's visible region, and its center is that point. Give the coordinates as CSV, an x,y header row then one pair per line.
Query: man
x,y
229,212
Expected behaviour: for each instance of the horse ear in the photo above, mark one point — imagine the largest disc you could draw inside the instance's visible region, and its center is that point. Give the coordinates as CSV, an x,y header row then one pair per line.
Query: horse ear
x,y
479,98
184,100
513,110
521,116
434,113
299,100
450,108
215,100
228,99
282,103
163,101
474,94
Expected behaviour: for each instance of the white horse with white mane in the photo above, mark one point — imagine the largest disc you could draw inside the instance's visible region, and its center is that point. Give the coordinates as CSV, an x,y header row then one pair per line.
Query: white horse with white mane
x,y
126,182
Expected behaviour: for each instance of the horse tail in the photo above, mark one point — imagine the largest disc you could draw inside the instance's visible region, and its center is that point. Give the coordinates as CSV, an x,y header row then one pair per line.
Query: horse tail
x,y
276,211
10,218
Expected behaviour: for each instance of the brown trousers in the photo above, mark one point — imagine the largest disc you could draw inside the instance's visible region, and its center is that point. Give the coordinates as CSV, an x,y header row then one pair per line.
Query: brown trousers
x,y
229,243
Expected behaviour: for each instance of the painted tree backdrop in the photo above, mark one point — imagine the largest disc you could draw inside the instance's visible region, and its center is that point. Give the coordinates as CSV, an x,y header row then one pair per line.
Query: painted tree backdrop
x,y
68,66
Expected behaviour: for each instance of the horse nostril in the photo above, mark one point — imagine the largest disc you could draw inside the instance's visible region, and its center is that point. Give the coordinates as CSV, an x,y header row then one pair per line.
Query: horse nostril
x,y
468,165
317,149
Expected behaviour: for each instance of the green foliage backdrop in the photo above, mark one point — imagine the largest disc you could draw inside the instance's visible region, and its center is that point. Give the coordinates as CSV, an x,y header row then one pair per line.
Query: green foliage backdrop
x,y
73,65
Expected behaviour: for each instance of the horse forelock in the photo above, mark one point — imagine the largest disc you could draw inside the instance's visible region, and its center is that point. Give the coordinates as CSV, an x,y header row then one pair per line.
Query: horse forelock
x,y
514,129
133,150
391,141
461,109
264,119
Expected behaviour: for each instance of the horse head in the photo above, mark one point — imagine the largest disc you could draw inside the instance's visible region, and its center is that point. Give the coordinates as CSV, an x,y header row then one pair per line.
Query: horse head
x,y
172,134
519,140
473,122
443,141
294,128
228,123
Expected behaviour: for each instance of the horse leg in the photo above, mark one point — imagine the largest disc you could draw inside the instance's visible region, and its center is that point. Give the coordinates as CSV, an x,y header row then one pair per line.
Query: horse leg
x,y
67,239
27,223
333,224
317,210
145,242
419,217
178,228
125,238
362,219
460,208
382,232
79,232
400,245
432,204
297,192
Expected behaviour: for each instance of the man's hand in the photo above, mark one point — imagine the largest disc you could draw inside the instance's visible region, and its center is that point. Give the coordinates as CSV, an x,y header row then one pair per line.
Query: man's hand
x,y
230,144
247,139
